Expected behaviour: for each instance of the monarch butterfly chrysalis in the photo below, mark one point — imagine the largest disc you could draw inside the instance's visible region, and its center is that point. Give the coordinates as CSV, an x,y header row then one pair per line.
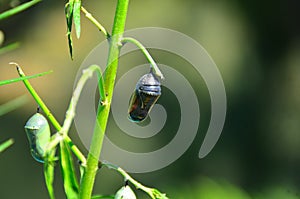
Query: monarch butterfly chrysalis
x,y
125,193
146,93
38,134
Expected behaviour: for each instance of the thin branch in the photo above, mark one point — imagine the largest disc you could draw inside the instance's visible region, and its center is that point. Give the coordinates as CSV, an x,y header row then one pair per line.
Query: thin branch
x,y
70,114
18,9
95,22
153,193
47,112
154,66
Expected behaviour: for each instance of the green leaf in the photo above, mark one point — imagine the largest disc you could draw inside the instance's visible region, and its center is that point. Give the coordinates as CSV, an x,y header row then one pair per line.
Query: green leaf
x,y
69,18
9,81
6,144
76,17
49,173
158,195
70,43
68,171
13,104
18,9
9,47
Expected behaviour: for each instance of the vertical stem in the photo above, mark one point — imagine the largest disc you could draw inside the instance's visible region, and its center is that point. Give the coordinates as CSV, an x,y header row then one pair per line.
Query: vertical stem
x,y
88,178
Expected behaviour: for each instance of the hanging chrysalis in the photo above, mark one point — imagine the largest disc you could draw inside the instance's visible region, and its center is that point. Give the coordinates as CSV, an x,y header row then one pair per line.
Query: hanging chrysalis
x,y
146,93
125,193
38,134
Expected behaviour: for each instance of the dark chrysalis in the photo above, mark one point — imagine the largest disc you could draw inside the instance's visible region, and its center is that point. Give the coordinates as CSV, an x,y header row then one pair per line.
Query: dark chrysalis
x,y
38,134
146,93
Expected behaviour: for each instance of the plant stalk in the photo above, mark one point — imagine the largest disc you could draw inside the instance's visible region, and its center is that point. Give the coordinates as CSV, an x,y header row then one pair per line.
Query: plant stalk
x,y
88,178
49,115
146,53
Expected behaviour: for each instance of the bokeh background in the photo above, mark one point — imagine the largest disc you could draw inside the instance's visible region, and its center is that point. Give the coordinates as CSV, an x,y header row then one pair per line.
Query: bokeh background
x,y
256,46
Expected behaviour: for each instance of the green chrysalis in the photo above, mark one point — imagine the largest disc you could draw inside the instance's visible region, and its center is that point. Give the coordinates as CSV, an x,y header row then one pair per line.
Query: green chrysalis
x,y
38,134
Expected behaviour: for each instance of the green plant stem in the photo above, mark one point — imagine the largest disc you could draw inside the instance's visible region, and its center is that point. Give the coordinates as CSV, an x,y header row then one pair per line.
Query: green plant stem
x,y
9,47
153,193
37,98
13,104
18,9
146,53
94,21
6,144
52,119
70,114
88,178
126,176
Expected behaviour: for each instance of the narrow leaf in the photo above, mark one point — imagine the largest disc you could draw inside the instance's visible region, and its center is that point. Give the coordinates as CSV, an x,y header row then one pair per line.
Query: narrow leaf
x,y
9,47
18,9
49,173
13,104
68,171
70,43
6,144
76,17
9,81
69,19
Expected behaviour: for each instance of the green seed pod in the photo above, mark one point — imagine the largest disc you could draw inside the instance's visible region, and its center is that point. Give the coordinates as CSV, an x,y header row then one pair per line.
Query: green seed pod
x,y
125,193
38,134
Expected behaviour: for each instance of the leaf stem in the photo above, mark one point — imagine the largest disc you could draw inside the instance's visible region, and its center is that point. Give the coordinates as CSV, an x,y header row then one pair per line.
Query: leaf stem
x,y
9,47
153,193
18,9
13,104
70,114
95,22
154,66
88,178
6,144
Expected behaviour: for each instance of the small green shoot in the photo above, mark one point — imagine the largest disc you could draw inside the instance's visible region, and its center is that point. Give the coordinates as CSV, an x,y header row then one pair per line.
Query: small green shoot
x,y
153,193
18,9
9,81
6,144
154,66
9,47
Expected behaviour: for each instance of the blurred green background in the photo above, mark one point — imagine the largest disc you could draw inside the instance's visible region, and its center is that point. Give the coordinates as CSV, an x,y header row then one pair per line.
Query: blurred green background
x,y
256,46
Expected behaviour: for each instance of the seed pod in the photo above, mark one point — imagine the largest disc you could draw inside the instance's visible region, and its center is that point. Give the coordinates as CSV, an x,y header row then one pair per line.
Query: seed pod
x,y
38,134
125,193
146,93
